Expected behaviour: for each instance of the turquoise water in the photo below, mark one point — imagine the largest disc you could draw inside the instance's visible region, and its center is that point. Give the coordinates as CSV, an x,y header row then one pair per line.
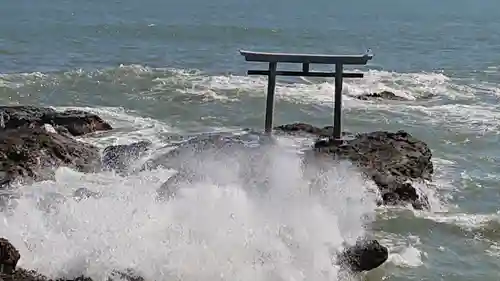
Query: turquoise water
x,y
154,68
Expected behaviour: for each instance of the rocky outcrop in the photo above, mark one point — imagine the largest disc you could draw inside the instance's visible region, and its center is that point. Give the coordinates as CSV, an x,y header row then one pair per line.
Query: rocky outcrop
x,y
193,160
212,145
386,95
365,255
119,157
301,128
9,256
392,160
75,122
33,152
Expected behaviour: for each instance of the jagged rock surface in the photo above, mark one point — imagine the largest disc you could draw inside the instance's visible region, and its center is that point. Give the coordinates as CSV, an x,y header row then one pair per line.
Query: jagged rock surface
x,y
34,152
386,95
391,159
365,255
75,122
119,157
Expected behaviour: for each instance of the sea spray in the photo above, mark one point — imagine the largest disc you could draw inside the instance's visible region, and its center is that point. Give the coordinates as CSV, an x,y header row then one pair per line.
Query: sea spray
x,y
212,230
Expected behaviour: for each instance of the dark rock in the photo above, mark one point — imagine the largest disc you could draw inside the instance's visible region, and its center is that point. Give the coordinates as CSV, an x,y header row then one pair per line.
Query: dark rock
x,y
34,152
76,122
306,128
295,128
365,255
24,275
119,157
391,160
31,275
128,275
9,256
386,95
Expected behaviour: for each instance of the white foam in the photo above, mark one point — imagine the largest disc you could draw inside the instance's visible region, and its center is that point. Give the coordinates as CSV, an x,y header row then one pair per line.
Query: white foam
x,y
408,257
479,116
49,128
210,232
403,251
128,126
467,221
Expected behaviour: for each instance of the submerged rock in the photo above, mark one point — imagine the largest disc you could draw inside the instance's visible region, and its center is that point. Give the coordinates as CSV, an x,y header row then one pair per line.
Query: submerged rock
x,y
386,95
119,157
215,146
306,128
84,193
75,122
34,153
392,160
295,128
365,255
194,160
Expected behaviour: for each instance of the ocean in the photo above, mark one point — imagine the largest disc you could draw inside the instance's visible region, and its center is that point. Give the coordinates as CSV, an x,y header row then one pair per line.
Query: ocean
x,y
155,68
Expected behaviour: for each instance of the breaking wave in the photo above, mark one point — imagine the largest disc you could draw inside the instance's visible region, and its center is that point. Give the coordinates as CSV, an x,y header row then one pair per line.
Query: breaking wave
x,y
432,98
211,231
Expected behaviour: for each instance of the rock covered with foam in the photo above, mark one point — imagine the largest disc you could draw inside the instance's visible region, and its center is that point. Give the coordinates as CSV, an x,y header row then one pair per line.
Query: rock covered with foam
x,y
119,157
393,160
365,255
385,95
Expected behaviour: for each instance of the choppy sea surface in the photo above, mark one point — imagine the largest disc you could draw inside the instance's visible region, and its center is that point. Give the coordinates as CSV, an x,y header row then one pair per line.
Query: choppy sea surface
x,y
159,68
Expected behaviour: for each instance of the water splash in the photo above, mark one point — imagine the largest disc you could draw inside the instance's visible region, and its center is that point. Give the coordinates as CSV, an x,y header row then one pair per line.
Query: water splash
x,y
211,231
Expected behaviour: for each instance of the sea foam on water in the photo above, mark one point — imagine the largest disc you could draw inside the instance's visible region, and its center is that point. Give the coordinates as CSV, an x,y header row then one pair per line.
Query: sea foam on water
x,y
214,229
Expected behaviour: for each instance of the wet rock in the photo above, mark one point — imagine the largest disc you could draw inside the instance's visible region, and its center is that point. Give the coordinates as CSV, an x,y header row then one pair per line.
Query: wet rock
x,y
194,160
365,255
84,193
119,157
9,256
24,275
169,188
34,153
213,145
31,275
303,128
392,160
386,95
75,122
128,275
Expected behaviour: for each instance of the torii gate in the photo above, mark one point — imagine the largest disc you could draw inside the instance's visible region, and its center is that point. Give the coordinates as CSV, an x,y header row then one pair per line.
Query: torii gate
x,y
305,59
